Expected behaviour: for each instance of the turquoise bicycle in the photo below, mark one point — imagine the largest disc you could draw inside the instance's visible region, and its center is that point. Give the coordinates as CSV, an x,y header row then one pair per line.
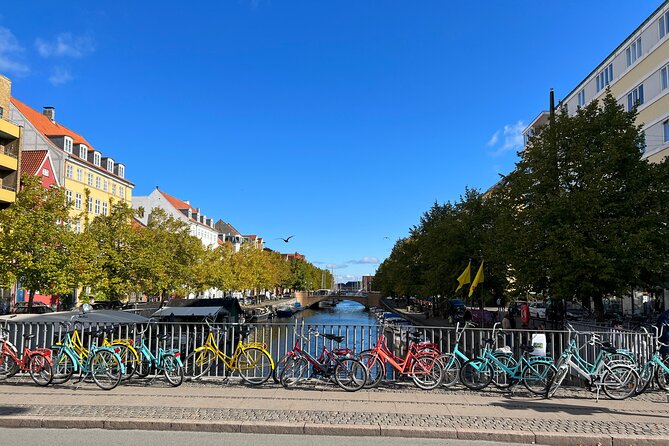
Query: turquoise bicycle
x,y
655,367
168,361
534,372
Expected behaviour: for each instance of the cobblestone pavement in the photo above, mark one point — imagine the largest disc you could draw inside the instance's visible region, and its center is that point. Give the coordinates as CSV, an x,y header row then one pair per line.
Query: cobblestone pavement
x,y
490,414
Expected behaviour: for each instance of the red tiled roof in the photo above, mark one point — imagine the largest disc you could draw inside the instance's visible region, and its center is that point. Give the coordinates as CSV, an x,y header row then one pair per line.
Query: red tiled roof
x,y
178,204
32,160
45,126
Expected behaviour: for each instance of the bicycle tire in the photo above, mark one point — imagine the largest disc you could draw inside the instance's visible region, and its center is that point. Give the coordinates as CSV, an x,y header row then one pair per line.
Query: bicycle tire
x,y
350,374
646,376
279,365
294,372
144,365
536,376
62,368
40,369
106,369
500,377
376,370
476,374
174,372
198,363
426,372
662,377
254,366
129,358
451,366
8,367
620,382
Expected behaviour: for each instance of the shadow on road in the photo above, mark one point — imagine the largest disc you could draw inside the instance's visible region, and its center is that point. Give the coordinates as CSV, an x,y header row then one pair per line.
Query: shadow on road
x,y
12,410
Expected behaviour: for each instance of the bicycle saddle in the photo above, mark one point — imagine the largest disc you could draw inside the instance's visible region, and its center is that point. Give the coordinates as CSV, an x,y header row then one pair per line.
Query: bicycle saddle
x,y
163,336
526,348
29,336
609,349
489,341
332,337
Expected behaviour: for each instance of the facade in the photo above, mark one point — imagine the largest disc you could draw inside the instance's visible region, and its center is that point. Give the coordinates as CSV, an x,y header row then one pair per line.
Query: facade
x,y
637,72
10,147
91,180
200,226
228,233
254,241
38,163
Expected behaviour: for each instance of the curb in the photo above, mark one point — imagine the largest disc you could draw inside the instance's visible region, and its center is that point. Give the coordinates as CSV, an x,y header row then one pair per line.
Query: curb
x,y
376,430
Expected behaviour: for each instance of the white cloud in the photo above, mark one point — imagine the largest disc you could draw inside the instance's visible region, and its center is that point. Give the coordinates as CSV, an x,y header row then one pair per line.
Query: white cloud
x,y
9,49
336,266
365,261
512,138
65,45
60,76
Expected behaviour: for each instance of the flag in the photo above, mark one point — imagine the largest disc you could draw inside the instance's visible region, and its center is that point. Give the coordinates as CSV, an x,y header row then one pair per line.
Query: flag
x,y
465,277
478,279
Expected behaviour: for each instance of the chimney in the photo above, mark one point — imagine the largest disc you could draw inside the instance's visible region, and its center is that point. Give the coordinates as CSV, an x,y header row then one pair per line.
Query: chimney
x,y
50,112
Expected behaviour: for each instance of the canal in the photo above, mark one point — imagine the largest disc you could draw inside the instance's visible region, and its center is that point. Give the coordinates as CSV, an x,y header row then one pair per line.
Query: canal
x,y
344,313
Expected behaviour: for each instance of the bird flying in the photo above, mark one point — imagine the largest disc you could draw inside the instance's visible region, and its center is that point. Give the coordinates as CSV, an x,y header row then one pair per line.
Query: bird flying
x,y
285,239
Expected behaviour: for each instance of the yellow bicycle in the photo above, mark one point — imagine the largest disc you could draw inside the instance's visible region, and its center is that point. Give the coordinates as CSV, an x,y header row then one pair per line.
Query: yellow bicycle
x,y
251,359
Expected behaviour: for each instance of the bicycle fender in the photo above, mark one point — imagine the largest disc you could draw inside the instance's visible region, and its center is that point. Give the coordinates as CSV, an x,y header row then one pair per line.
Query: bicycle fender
x,y
74,359
176,353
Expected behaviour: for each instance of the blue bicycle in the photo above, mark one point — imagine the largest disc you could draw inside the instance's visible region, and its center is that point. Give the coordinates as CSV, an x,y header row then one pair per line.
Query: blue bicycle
x,y
168,361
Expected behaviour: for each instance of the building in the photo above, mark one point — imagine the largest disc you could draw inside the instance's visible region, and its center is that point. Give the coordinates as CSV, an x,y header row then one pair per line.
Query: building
x,y
38,163
296,256
92,181
10,145
253,240
637,72
200,225
229,234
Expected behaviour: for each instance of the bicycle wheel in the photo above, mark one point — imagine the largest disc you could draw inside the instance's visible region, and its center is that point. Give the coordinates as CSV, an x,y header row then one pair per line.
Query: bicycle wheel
x,y
662,376
647,374
295,371
174,372
450,365
129,358
476,374
350,374
198,363
427,372
106,369
279,365
8,367
620,381
500,377
254,366
40,369
559,376
536,376
144,365
62,368
376,370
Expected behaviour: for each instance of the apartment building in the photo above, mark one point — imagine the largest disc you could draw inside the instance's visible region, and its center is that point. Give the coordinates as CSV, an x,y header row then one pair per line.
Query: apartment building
x,y
636,72
10,144
91,180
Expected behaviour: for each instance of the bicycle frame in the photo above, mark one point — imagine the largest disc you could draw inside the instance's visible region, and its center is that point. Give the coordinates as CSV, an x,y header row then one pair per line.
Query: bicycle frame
x,y
326,358
230,362
8,349
158,360
402,365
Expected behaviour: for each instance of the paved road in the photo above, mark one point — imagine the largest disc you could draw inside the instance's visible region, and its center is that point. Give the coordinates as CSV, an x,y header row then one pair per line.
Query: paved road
x,y
399,410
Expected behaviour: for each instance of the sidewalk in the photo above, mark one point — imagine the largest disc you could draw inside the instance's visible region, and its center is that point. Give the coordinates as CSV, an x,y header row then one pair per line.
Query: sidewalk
x,y
573,417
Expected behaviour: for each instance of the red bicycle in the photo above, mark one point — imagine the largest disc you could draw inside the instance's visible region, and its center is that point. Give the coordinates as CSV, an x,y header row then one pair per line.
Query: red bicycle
x,y
37,362
421,365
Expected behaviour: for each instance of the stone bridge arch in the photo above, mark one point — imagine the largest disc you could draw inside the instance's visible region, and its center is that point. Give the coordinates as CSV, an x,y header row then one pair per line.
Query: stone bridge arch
x,y
308,299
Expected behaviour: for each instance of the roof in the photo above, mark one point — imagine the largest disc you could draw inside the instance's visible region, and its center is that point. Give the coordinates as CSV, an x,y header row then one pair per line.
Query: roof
x,y
178,204
44,125
94,316
32,160
189,311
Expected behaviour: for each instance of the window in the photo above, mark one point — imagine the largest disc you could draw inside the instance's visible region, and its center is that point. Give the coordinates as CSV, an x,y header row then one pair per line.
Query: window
x,y
121,171
68,171
83,151
110,165
665,127
2,112
604,78
635,97
80,174
581,98
45,172
113,189
67,144
68,195
664,25
97,207
97,158
90,179
77,227
121,191
77,200
104,208
90,204
664,77
97,182
105,185
633,52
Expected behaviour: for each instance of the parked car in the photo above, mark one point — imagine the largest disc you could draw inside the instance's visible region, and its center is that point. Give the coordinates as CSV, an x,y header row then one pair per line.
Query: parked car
x,y
575,311
514,307
107,305
538,310
482,318
457,309
37,308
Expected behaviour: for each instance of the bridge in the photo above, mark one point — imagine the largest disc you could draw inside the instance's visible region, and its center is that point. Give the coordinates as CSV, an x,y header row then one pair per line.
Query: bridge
x,y
309,298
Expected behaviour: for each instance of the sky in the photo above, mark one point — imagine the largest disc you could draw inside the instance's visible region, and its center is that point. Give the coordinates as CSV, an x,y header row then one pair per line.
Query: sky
x,y
337,122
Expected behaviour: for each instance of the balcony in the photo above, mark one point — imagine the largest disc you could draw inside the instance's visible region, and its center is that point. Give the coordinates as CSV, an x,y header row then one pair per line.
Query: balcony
x,y
7,194
9,130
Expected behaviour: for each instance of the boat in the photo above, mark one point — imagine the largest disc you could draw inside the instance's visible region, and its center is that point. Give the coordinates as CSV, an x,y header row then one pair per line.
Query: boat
x,y
260,314
285,311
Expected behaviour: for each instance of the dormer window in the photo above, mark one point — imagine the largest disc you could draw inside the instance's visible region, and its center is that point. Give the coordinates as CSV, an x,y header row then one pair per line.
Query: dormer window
x,y
67,144
110,164
83,151
97,158
120,170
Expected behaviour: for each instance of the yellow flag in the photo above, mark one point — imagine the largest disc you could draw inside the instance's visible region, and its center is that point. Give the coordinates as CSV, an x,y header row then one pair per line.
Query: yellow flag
x,y
478,279
465,277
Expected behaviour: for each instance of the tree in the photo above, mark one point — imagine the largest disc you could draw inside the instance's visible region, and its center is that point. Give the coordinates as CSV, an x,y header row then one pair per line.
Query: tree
x,y
35,242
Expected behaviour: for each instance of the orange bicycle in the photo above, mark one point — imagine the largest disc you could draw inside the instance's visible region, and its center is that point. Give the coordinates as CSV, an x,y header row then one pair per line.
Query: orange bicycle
x,y
421,365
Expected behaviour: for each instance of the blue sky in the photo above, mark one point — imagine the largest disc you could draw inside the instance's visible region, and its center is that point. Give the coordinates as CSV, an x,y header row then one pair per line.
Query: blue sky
x,y
337,122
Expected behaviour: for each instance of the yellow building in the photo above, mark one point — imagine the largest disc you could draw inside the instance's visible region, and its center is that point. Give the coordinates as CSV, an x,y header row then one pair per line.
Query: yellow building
x,y
91,180
10,143
637,72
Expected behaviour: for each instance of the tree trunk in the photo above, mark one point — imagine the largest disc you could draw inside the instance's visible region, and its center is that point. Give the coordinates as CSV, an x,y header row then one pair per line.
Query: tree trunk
x,y
599,308
31,297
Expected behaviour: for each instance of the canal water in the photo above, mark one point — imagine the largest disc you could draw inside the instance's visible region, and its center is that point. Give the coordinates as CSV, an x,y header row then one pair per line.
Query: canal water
x,y
344,313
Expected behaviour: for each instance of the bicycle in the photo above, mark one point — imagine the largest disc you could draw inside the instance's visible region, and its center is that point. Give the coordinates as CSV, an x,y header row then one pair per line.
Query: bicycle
x,y
167,360
102,363
339,364
35,361
655,367
250,359
534,372
126,351
618,379
422,366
